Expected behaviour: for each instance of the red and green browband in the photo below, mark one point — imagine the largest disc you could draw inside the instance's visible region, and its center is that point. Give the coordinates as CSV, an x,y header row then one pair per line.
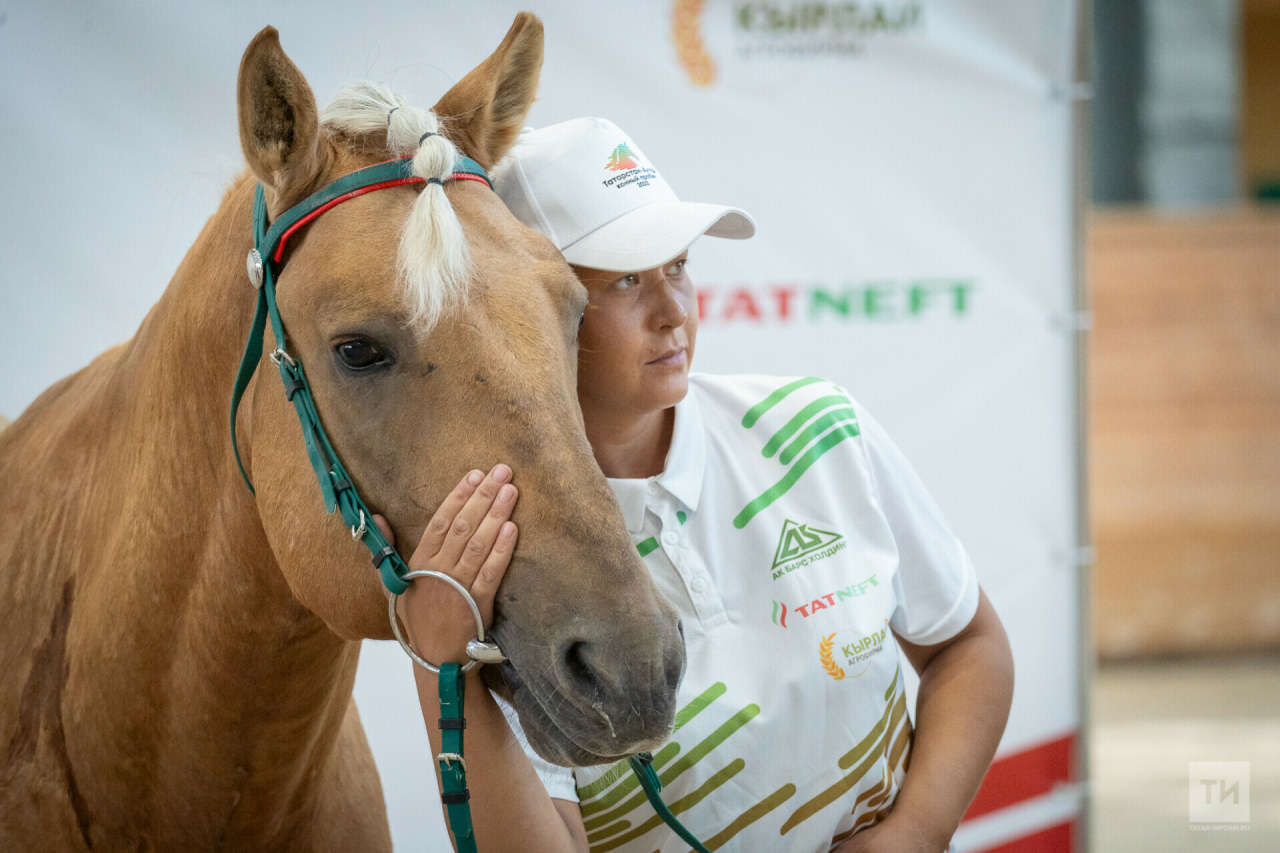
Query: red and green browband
x,y
356,184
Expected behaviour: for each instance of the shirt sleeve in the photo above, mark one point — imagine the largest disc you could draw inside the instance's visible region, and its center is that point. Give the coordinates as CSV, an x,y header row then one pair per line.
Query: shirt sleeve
x,y
935,584
558,780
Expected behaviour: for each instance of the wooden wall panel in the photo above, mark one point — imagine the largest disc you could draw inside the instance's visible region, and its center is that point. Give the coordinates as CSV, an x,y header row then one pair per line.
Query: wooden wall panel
x,y
1260,101
1185,431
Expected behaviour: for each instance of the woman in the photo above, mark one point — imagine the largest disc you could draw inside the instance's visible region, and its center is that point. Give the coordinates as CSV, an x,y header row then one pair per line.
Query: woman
x,y
798,544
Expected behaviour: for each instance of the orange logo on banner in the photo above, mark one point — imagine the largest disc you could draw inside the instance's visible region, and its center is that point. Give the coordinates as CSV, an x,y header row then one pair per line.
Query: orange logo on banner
x,y
690,51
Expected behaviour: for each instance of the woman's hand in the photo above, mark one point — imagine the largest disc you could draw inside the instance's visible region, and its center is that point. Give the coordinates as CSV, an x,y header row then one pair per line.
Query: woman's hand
x,y
471,540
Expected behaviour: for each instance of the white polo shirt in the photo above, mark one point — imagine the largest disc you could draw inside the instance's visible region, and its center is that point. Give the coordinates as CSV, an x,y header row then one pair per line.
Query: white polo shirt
x,y
791,534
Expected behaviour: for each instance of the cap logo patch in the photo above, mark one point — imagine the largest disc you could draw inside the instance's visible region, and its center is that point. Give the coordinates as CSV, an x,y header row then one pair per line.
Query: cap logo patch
x,y
621,159
630,173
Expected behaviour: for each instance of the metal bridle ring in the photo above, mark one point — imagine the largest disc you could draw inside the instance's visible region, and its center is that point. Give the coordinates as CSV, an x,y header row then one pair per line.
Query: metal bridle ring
x,y
278,355
357,532
479,650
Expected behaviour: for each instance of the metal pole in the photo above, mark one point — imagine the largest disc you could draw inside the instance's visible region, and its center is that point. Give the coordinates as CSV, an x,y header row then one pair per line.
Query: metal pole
x,y
1084,549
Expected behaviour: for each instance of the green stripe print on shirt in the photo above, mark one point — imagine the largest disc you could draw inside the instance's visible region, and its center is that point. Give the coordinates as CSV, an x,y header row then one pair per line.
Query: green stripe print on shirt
x,y
607,803
880,745
816,428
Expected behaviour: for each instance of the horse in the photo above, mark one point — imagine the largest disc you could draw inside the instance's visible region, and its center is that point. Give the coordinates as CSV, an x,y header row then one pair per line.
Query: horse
x,y
177,656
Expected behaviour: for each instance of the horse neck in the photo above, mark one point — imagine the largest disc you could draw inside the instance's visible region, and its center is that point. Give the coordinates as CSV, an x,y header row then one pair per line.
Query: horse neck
x,y
215,672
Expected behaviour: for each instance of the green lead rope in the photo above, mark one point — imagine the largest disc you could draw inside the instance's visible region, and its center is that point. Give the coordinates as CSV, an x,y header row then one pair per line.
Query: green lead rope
x,y
453,770
642,766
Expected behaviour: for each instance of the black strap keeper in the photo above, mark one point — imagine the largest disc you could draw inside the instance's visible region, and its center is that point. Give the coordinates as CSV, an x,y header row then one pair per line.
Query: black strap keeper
x,y
435,181
455,799
341,486
293,386
423,137
382,556
452,724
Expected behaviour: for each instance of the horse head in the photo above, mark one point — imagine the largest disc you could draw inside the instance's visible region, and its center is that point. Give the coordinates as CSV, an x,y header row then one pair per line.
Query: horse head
x,y
439,335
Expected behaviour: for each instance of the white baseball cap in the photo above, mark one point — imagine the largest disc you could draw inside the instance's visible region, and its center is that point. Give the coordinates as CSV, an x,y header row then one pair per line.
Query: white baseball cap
x,y
585,185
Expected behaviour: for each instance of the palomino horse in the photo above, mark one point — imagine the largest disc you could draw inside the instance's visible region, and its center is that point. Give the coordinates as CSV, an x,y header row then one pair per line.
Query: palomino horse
x,y
176,656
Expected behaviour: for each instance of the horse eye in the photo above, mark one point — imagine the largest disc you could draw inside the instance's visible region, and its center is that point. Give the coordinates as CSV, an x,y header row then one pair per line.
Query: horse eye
x,y
582,318
359,354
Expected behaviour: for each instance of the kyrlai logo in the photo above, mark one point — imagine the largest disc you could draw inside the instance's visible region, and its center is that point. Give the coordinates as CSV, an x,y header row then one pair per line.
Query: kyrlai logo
x,y
621,159
779,31
800,545
847,654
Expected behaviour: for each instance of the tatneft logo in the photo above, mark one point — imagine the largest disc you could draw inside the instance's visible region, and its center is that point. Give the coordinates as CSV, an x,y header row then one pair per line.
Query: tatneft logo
x,y
621,159
788,31
847,654
800,545
824,602
1219,795
879,300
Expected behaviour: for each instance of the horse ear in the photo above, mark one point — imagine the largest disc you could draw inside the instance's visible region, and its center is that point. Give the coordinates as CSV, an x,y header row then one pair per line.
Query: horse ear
x,y
484,112
279,121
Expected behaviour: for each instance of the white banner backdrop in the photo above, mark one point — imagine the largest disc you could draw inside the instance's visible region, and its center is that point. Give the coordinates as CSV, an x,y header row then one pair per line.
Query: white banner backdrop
x,y
908,165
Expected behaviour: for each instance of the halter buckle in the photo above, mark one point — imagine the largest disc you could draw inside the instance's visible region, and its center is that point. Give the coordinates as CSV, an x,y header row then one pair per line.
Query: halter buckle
x,y
278,355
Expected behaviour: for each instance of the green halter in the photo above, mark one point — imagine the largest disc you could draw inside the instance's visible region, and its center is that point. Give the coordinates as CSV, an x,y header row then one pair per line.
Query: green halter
x,y
265,263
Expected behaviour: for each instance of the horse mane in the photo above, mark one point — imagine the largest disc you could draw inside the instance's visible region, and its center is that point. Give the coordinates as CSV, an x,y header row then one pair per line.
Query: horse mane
x,y
434,261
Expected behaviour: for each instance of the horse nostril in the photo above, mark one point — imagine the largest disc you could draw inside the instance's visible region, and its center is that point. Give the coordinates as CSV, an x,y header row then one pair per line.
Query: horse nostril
x,y
580,672
673,671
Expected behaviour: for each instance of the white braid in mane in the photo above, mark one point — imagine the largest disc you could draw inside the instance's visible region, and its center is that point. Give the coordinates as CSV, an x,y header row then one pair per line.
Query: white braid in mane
x,y
434,259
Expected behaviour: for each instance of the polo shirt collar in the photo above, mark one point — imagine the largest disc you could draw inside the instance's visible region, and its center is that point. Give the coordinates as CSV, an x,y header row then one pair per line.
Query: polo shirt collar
x,y
682,472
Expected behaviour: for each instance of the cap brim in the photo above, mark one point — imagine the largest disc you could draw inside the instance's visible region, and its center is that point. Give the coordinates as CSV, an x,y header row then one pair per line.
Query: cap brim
x,y
651,235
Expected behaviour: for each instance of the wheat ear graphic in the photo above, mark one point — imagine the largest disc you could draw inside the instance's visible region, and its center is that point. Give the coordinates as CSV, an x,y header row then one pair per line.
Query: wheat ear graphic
x,y
689,48
828,662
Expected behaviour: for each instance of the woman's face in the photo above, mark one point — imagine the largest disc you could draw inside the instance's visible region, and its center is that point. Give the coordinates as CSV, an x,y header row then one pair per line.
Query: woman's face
x,y
637,337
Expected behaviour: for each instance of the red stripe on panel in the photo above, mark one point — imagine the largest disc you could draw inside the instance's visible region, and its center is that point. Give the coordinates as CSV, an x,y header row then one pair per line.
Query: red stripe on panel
x,y
1055,839
1022,775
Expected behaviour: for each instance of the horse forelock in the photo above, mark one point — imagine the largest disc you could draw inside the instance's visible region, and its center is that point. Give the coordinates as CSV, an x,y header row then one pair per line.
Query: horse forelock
x,y
434,259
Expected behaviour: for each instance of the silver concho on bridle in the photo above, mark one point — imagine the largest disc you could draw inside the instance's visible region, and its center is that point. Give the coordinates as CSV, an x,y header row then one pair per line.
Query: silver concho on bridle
x,y
254,266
